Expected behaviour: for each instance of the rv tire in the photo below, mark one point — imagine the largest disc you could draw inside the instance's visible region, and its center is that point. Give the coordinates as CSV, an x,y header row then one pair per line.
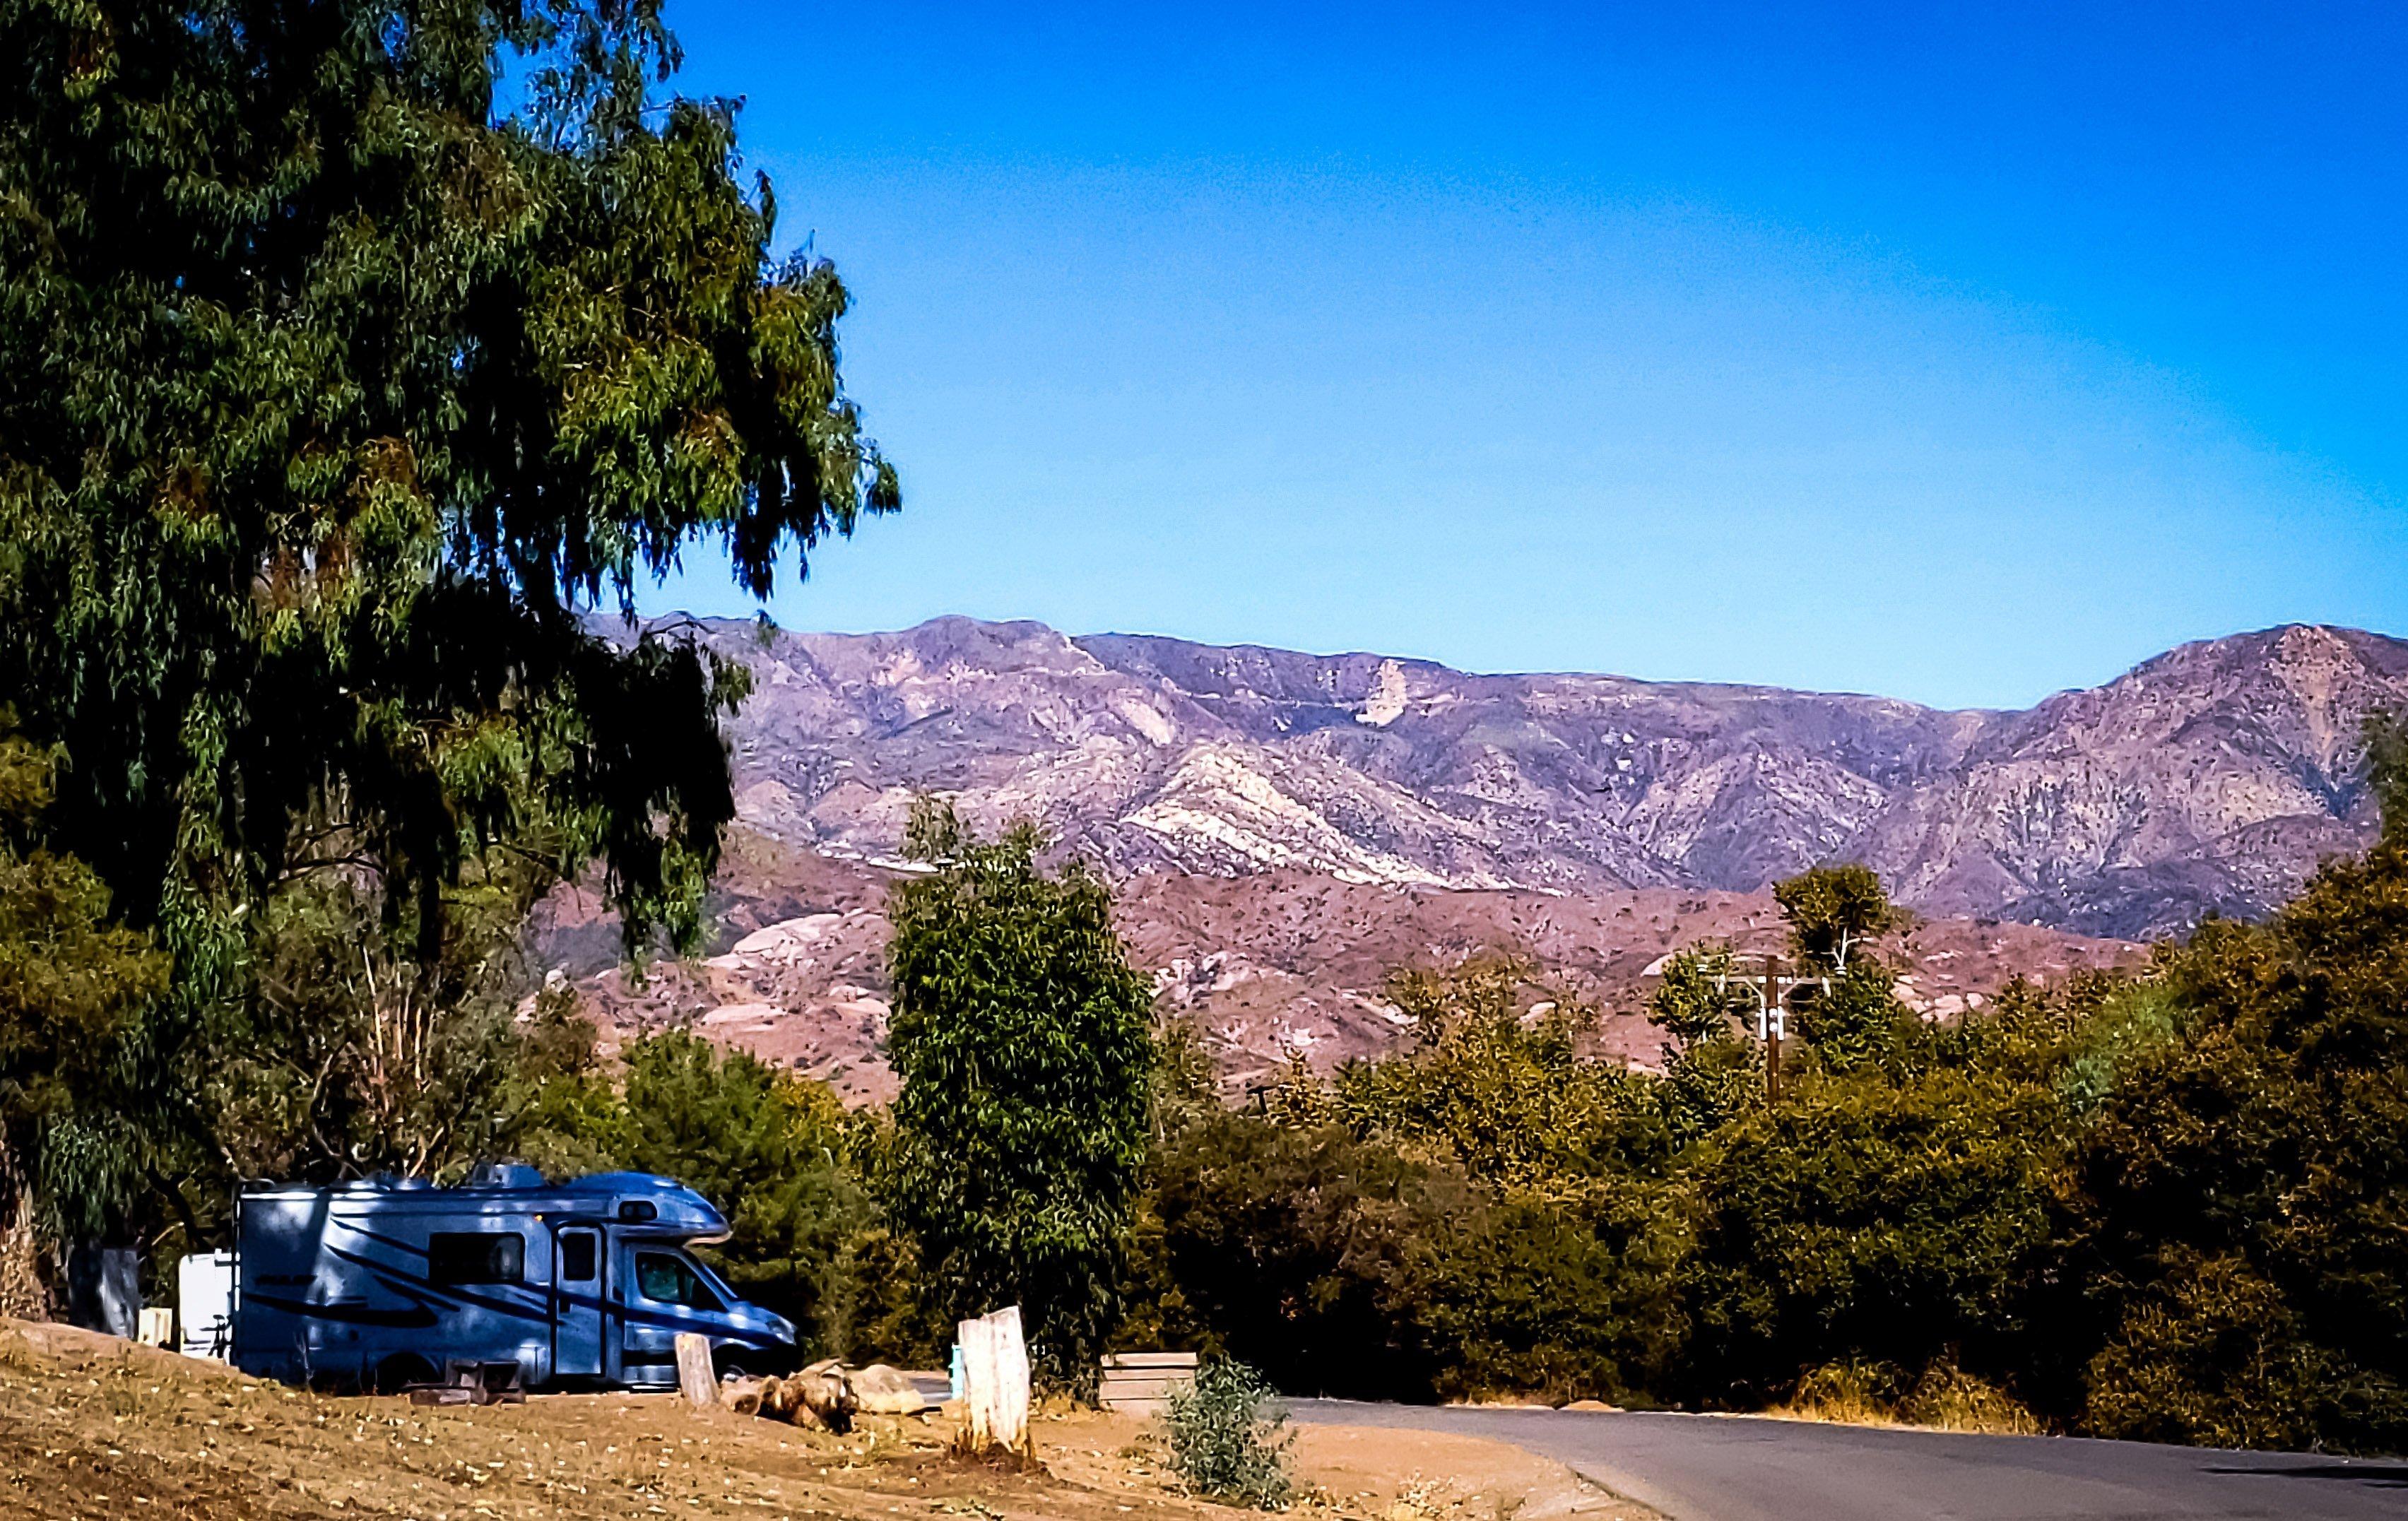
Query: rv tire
x,y
402,1370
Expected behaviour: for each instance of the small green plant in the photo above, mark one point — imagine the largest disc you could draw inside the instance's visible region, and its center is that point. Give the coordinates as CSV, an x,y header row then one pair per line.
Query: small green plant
x,y
1227,1441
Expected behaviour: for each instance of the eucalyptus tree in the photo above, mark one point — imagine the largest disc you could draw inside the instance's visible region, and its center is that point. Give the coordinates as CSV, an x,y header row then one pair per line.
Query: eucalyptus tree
x,y
351,356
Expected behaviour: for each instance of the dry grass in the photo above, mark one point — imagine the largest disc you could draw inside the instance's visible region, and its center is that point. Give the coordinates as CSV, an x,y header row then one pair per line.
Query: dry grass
x,y
1953,1401
1945,1399
93,1428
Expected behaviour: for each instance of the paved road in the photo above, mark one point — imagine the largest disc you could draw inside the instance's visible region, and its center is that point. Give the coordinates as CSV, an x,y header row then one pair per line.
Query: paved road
x,y
1706,1468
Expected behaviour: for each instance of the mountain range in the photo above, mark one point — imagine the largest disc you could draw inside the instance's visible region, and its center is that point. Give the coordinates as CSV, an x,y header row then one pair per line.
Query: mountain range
x,y
2208,780
1284,829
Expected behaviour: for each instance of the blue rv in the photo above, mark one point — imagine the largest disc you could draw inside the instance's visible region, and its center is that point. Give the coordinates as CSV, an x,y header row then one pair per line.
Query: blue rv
x,y
382,1283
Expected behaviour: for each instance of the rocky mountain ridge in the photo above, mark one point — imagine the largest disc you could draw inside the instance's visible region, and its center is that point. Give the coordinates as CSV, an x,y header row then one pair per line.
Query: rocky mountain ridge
x,y
2210,778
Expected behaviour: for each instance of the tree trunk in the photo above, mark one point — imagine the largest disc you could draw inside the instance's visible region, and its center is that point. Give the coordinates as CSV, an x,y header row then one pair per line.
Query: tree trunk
x,y
23,1293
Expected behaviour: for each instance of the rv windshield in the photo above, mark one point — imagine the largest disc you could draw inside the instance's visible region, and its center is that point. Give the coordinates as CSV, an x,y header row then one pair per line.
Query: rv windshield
x,y
669,1278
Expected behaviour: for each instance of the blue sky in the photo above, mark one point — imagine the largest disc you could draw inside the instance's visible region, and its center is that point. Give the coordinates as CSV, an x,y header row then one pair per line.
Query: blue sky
x,y
1960,354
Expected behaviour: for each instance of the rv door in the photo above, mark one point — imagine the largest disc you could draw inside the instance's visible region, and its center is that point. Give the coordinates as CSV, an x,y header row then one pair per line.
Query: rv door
x,y
577,1302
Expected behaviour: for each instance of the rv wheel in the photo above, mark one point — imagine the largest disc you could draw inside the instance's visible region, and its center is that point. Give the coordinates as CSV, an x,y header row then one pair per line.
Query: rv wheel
x,y
399,1372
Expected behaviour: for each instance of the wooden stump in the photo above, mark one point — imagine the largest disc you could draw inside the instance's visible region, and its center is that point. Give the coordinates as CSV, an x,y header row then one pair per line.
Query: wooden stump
x,y
995,1382
697,1378
156,1328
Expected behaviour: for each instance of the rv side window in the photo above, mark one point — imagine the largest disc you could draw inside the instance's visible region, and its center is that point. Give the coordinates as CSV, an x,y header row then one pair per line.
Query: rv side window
x,y
577,1257
665,1278
482,1256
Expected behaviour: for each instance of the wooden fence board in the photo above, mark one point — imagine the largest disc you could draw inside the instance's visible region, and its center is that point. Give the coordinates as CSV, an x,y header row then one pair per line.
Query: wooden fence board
x,y
1141,1383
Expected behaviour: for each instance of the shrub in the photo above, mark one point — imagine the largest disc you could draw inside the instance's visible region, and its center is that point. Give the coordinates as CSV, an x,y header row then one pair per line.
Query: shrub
x,y
1226,1438
1952,1399
1524,1296
2233,1208
1294,1249
2216,1357
1869,1221
1845,1393
1945,1397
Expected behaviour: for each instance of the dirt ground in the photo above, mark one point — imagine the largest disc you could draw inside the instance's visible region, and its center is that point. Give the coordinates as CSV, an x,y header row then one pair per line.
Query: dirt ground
x,y
92,1429
1354,1473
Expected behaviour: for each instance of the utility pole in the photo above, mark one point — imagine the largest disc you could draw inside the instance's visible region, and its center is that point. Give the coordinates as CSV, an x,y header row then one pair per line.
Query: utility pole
x,y
1772,1023
1772,1018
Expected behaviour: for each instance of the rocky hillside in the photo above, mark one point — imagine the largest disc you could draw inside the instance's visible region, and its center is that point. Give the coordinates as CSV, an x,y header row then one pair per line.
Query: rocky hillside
x,y
2209,778
1268,963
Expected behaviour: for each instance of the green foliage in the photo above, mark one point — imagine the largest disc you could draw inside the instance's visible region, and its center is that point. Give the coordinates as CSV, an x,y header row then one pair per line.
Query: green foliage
x,y
773,1151
2166,1207
1834,911
1709,1085
574,1120
1701,999
1485,1213
1184,1089
2214,1354
75,989
1225,1437
1856,1020
1025,1044
333,397
1869,1217
2235,1202
364,1048
1714,1070
1520,1296
329,392
880,1311
1295,1249
2121,1022
768,1147
1552,1274
1478,1213
2387,772
1494,1083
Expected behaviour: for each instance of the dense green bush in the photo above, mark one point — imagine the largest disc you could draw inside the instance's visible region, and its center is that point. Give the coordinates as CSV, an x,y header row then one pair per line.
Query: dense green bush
x,y
1867,1217
770,1149
1520,1296
1293,1249
2238,1202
